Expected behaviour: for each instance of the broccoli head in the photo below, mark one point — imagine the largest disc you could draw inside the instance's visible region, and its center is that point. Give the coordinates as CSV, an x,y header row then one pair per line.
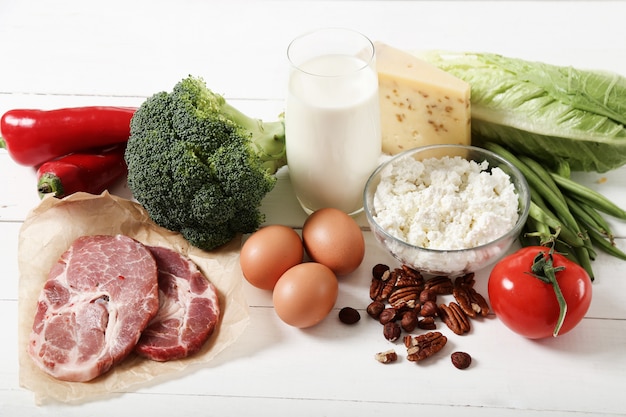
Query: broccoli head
x,y
201,167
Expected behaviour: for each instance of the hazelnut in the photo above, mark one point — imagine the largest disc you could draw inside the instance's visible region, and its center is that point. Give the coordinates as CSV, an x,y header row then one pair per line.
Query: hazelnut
x,y
392,331
387,315
461,360
379,270
349,315
427,295
427,323
409,321
375,308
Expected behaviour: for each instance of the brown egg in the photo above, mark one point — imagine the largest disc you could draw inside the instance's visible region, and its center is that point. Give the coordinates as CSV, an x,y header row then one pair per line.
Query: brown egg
x,y
305,294
268,253
333,238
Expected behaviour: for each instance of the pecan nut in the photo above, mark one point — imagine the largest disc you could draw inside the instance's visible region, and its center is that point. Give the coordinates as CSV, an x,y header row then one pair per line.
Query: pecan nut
x,y
380,276
466,280
427,295
389,284
424,346
462,297
470,301
402,288
429,309
440,285
387,356
454,317
405,297
408,276
479,304
376,287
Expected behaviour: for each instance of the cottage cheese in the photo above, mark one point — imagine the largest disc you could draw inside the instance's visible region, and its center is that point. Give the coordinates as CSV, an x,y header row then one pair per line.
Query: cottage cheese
x,y
446,203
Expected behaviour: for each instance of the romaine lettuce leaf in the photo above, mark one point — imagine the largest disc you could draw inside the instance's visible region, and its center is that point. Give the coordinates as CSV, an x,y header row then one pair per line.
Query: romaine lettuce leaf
x,y
549,112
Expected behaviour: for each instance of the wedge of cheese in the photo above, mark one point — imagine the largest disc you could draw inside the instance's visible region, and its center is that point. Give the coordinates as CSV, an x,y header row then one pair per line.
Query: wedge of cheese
x,y
420,104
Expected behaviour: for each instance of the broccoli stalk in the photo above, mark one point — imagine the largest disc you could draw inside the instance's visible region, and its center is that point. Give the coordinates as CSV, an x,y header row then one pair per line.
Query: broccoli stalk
x,y
268,138
201,167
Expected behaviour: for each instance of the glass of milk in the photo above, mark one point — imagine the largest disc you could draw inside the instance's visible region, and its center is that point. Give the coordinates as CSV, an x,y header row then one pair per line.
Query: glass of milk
x,y
332,118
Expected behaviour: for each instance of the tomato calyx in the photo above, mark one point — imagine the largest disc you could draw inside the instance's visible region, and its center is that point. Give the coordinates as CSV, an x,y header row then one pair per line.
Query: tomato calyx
x,y
543,269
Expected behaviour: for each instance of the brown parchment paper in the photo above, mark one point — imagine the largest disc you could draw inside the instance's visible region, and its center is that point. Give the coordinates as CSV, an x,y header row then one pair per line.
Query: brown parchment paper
x,y
49,230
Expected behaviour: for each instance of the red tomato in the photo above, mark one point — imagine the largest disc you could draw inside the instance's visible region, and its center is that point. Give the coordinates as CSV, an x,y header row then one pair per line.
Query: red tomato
x,y
529,306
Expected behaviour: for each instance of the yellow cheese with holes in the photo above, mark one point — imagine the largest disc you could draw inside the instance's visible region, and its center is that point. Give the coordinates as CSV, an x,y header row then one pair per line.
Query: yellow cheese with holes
x,y
420,104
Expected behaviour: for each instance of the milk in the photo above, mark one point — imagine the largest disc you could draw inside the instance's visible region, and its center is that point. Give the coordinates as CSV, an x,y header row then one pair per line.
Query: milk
x,y
333,131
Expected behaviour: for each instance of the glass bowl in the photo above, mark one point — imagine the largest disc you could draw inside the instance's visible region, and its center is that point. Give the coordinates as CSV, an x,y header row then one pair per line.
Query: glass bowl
x,y
443,260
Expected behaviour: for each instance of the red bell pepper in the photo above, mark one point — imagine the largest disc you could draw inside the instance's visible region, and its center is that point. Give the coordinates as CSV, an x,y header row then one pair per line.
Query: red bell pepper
x,y
36,136
93,172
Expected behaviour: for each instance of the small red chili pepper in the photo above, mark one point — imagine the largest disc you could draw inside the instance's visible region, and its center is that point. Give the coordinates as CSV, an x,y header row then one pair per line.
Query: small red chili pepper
x,y
89,172
35,136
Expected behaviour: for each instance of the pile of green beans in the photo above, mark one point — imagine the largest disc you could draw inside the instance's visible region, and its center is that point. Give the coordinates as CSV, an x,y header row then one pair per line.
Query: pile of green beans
x,y
563,212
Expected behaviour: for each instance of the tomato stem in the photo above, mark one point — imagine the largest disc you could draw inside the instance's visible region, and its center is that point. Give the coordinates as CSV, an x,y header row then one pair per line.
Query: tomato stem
x,y
543,268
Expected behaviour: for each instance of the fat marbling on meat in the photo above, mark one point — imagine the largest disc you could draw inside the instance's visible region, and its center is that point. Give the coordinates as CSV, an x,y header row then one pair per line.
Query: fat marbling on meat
x,y
188,313
97,299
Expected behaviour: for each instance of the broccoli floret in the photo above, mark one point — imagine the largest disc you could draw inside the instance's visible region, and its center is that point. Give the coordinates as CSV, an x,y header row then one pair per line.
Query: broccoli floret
x,y
201,167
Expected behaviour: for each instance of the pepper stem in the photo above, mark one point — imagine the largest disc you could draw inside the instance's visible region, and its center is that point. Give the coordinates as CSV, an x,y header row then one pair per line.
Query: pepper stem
x,y
543,268
50,184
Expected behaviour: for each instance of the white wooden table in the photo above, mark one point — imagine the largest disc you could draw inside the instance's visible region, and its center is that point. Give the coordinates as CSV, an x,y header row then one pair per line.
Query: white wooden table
x,y
70,53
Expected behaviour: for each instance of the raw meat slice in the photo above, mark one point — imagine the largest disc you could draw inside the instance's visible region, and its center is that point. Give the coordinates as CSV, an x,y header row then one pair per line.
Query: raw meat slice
x,y
189,309
98,298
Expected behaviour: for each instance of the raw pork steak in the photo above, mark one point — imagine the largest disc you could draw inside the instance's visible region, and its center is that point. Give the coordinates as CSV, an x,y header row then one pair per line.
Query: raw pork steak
x,y
97,300
189,309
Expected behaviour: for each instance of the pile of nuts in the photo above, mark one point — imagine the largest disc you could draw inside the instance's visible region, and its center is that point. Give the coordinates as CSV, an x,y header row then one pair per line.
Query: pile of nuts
x,y
402,300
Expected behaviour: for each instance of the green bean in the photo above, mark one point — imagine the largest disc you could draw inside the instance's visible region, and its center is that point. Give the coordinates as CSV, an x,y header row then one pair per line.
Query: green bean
x,y
606,245
567,251
589,196
593,254
540,231
599,219
584,260
543,233
564,232
564,212
586,222
540,202
586,216
550,219
543,174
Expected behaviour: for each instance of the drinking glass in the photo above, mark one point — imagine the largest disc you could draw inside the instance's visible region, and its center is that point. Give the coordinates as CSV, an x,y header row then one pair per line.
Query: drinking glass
x,y
332,118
